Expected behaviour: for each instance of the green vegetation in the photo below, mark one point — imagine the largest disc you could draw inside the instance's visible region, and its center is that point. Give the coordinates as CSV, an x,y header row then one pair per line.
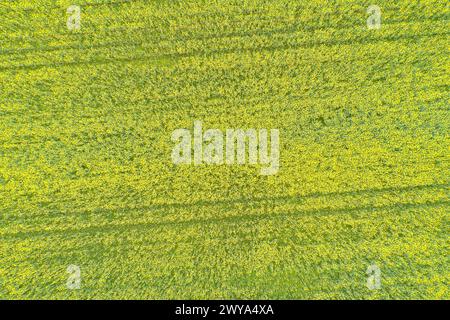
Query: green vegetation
x,y
86,176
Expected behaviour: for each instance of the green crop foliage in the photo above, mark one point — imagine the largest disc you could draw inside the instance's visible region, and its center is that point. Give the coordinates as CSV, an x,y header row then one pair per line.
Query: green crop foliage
x,y
86,176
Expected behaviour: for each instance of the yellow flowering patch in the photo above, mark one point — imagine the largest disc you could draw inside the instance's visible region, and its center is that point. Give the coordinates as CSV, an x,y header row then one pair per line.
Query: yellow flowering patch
x,y
92,205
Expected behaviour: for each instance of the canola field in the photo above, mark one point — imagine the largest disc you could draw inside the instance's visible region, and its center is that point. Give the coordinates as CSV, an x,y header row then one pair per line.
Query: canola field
x,y
93,207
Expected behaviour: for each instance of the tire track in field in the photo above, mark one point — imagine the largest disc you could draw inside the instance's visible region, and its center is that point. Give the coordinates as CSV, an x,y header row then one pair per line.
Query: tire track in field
x,y
228,219
171,57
